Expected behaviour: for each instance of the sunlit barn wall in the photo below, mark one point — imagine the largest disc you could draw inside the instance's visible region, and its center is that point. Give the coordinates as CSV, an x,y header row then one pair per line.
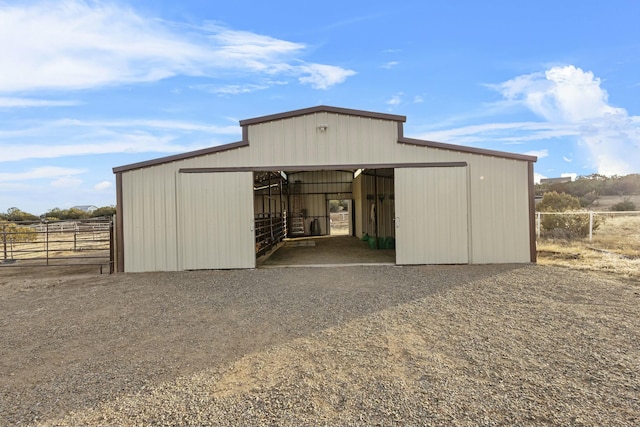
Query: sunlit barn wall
x,y
498,193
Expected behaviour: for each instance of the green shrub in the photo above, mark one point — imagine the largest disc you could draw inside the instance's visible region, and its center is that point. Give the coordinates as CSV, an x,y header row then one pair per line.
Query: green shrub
x,y
564,226
588,199
626,205
10,232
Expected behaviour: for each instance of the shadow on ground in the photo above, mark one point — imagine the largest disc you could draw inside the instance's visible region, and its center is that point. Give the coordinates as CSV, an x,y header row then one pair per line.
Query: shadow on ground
x,y
70,342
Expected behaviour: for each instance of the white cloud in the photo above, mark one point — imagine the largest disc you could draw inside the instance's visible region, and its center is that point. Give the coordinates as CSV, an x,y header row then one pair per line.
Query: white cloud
x,y
572,175
250,50
30,102
418,99
537,177
573,104
66,182
561,94
126,143
237,89
389,65
567,159
72,44
395,100
83,137
321,76
540,154
104,185
174,125
572,97
45,172
505,133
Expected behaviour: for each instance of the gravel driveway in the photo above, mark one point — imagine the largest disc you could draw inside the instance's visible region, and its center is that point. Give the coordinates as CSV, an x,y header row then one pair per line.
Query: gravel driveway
x,y
370,345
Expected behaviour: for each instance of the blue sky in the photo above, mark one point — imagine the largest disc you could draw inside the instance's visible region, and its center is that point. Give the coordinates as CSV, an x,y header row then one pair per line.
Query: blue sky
x,y
89,85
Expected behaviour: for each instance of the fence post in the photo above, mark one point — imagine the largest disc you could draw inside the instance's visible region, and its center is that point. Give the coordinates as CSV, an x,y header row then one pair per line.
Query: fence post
x,y
4,240
112,245
538,224
46,243
590,225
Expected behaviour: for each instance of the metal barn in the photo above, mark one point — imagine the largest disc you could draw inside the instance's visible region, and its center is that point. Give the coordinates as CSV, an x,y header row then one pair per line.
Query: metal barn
x,y
225,206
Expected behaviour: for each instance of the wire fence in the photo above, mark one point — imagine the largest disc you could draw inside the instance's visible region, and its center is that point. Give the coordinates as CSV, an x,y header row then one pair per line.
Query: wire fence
x,y
624,225
57,243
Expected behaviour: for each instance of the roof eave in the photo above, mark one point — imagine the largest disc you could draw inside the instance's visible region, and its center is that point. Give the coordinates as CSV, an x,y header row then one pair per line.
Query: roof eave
x,y
463,149
182,156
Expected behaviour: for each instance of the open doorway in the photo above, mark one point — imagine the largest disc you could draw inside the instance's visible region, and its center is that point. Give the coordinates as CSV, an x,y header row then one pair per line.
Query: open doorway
x,y
340,217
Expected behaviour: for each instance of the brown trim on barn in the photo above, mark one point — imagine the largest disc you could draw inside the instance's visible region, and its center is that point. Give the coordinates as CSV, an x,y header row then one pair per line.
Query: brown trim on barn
x,y
532,215
183,156
119,226
323,109
470,150
245,134
323,167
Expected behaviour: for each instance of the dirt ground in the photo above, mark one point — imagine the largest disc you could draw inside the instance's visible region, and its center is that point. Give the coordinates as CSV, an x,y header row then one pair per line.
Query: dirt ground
x,y
357,345
323,250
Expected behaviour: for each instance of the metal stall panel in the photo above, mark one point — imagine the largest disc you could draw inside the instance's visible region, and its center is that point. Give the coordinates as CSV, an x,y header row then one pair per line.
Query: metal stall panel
x,y
431,215
216,220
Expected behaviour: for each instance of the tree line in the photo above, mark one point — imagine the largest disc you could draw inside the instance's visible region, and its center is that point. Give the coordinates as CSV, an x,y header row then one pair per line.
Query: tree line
x,y
56,214
578,194
587,189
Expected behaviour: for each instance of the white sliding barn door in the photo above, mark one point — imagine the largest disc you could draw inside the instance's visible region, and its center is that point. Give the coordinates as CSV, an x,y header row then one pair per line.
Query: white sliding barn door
x,y
431,210
216,221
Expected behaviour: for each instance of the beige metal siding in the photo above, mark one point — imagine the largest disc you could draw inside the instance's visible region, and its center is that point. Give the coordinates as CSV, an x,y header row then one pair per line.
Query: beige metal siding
x,y
149,220
215,213
499,211
298,141
497,188
431,215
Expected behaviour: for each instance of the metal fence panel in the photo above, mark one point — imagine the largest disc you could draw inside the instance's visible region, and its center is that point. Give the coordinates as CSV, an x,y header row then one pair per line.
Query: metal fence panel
x,y
69,243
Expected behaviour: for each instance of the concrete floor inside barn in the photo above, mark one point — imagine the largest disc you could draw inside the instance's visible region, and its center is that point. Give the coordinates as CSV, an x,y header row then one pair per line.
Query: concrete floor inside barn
x,y
325,251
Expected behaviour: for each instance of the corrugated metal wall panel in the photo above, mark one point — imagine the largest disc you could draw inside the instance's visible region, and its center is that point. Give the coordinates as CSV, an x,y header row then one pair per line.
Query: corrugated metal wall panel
x,y
216,221
149,221
300,141
316,209
499,206
431,216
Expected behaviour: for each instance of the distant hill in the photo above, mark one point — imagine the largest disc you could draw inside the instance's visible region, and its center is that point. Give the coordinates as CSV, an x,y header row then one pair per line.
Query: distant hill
x,y
596,190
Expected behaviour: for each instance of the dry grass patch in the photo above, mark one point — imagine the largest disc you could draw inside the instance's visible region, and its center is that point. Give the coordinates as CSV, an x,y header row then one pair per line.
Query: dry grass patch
x,y
615,248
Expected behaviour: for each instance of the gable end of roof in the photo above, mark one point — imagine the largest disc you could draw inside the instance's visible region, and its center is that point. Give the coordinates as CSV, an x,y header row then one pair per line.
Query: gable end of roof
x,y
323,109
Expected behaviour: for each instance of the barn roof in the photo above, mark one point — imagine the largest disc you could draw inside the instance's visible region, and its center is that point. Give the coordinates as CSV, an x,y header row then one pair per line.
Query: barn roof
x,y
323,109
319,109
